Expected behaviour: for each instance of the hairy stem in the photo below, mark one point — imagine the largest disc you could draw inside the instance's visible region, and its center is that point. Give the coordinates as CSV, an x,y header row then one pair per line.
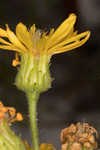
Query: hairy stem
x,y
32,99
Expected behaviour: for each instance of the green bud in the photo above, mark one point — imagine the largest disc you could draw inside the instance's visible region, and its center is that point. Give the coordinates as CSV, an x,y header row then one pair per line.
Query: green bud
x,y
33,73
8,139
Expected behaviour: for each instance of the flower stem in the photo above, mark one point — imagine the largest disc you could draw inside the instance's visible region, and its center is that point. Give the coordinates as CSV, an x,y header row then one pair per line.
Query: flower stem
x,y
32,99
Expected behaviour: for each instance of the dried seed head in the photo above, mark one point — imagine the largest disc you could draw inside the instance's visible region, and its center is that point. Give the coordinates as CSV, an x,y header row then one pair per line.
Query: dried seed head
x,y
80,135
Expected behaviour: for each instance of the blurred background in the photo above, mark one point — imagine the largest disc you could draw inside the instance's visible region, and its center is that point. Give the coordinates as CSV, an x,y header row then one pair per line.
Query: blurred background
x,y
75,92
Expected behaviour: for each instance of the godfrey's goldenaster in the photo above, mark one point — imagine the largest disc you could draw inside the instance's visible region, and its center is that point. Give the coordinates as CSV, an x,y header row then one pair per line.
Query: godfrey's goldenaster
x,y
34,49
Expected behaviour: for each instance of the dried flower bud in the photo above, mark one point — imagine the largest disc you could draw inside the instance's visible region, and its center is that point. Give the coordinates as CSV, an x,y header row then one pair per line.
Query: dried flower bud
x,y
9,114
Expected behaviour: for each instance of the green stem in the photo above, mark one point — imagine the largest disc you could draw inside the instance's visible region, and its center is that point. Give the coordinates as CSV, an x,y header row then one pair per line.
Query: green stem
x,y
32,99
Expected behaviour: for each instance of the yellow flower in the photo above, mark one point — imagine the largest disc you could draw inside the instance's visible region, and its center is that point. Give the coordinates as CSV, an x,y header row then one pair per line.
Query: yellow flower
x,y
36,42
36,48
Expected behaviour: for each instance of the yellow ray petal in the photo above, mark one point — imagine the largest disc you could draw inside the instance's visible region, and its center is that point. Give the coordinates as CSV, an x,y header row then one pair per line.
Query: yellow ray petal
x,y
3,33
24,36
44,35
70,20
12,37
77,37
70,46
4,42
70,40
63,30
11,48
51,32
71,34
32,29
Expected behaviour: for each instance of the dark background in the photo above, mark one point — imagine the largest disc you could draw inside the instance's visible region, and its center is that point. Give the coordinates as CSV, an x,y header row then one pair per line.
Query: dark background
x,y
75,93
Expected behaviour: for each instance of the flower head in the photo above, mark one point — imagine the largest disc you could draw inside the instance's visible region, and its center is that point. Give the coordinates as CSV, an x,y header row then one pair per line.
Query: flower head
x,y
63,39
36,48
